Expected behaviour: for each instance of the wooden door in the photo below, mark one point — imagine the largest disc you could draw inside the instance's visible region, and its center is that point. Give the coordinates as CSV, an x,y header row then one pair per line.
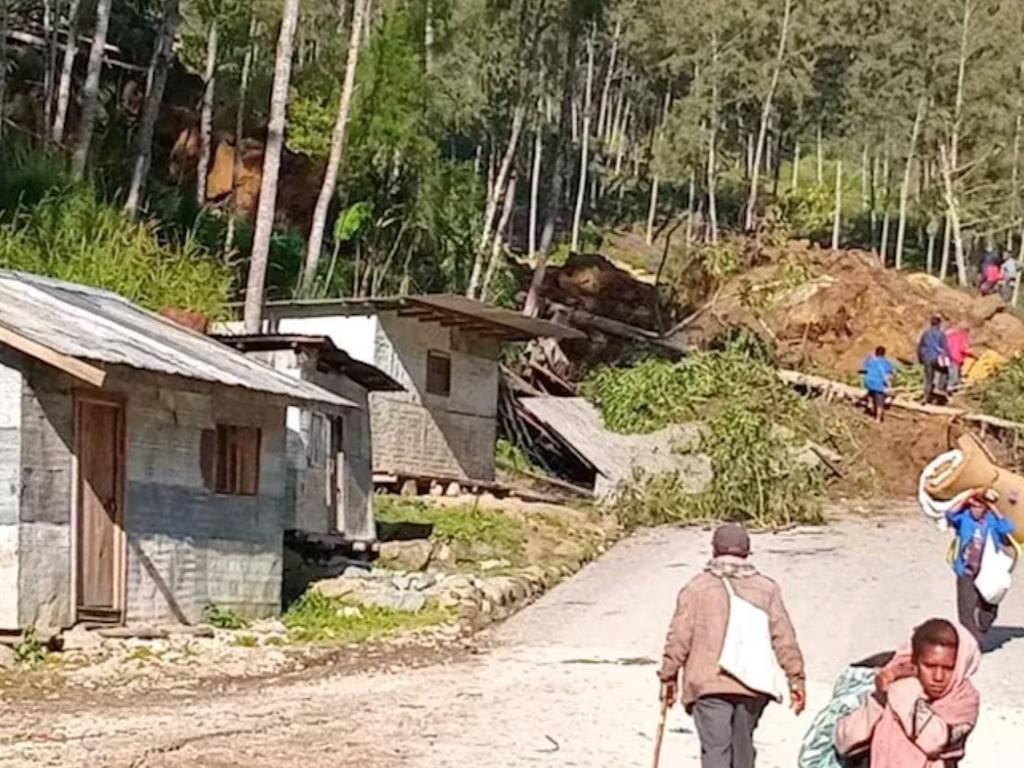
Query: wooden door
x,y
338,457
99,532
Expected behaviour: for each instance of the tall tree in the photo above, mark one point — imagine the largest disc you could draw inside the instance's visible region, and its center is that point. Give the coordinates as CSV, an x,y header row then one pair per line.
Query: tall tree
x,y
239,138
588,101
3,63
253,313
142,153
206,111
330,181
66,71
91,88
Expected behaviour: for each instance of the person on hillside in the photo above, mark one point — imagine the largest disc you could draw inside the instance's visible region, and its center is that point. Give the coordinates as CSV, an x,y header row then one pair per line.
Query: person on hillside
x,y
1010,271
933,354
959,350
923,707
878,371
725,710
991,277
974,524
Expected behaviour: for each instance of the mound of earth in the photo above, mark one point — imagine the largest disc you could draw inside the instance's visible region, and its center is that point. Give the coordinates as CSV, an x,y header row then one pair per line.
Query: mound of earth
x,y
828,311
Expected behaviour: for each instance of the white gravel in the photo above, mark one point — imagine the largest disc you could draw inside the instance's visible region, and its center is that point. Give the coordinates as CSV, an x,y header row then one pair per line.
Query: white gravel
x,y
567,682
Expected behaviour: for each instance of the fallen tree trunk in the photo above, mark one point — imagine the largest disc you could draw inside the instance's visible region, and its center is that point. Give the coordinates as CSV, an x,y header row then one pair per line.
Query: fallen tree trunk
x,y
830,388
587,321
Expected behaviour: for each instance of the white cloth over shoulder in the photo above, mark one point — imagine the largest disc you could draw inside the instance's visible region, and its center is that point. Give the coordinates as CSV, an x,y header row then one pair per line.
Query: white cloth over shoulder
x,y
747,651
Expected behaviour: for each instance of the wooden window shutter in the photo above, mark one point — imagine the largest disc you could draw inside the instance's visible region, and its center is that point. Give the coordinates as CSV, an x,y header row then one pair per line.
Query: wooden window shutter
x,y
439,374
208,458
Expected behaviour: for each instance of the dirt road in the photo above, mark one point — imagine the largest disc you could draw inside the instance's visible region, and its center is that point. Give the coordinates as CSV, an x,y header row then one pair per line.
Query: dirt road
x,y
567,682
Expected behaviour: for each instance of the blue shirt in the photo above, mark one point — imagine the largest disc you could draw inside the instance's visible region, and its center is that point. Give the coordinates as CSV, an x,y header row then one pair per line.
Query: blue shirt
x,y
877,371
963,522
932,345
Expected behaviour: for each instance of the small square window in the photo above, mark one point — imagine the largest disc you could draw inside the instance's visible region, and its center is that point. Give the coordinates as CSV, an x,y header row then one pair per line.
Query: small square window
x,y
230,460
439,374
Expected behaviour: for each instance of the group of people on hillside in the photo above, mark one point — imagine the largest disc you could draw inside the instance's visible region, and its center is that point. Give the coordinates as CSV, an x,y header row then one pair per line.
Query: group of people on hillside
x,y
998,274
911,708
942,354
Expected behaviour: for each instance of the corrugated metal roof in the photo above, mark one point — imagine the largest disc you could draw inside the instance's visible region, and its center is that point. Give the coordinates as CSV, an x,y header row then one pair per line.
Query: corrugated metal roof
x,y
97,325
447,308
615,455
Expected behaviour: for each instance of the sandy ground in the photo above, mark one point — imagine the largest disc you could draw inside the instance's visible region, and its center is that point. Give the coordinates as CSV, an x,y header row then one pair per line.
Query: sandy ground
x,y
567,682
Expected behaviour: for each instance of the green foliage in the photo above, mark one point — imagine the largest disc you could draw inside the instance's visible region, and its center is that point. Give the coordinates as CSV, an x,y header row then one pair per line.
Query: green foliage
x,y
808,211
223,618
509,456
1002,395
737,395
30,651
314,618
62,230
246,641
465,527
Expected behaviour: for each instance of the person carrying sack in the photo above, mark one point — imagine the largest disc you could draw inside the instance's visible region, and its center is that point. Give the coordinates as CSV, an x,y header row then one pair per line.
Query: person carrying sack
x,y
729,628
981,532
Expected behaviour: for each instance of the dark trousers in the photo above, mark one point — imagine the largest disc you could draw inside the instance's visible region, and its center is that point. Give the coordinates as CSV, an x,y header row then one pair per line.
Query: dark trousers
x,y
976,614
725,725
934,379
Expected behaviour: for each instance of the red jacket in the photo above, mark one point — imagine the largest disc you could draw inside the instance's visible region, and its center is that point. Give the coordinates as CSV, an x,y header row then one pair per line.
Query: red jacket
x,y
959,346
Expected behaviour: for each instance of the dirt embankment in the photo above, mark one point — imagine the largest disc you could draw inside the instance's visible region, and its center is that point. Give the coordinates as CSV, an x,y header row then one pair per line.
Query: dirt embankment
x,y
827,311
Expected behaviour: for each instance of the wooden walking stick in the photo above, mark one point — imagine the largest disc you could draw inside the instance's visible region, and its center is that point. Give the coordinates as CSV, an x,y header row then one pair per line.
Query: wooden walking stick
x,y
660,733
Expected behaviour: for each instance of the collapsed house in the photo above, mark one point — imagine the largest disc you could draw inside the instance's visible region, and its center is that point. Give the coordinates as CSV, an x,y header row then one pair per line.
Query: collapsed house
x,y
445,352
143,464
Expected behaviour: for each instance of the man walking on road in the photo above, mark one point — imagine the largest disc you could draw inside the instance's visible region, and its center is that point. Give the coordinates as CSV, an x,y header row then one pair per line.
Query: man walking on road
x,y
726,711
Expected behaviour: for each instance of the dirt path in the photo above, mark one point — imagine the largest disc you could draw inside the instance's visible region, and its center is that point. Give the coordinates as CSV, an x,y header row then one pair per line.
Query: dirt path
x,y
568,682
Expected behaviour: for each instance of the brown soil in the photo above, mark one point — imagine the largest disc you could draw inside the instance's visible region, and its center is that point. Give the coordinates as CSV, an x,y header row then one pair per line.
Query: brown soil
x,y
828,311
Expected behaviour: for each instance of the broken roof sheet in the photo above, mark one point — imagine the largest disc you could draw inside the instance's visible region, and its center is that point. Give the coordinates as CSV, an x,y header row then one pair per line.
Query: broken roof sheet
x,y
97,325
614,455
369,376
449,309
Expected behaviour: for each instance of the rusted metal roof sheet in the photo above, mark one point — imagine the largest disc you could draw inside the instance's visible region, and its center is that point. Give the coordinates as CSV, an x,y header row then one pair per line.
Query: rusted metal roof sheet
x,y
448,309
616,456
99,326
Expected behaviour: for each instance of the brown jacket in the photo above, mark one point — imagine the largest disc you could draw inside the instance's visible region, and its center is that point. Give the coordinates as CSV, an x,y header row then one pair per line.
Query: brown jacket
x,y
697,632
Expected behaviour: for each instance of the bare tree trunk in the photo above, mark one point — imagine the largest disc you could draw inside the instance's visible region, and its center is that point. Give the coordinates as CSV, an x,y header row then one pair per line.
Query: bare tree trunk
x,y
865,196
206,115
712,159
581,184
50,15
66,70
944,261
499,237
237,157
330,181
1020,260
691,206
795,182
930,257
821,158
954,214
499,178
837,213
766,111
620,141
143,153
554,197
428,37
91,88
3,63
652,209
901,229
602,114
538,149
271,168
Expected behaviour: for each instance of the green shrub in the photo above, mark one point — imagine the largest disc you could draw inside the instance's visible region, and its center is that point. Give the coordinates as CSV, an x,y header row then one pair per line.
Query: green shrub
x,y
1003,394
223,618
69,234
316,618
30,651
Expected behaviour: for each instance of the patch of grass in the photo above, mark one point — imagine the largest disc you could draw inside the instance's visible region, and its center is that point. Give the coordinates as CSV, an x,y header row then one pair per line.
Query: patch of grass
x,y
467,528
30,652
143,653
223,618
314,618
511,457
246,641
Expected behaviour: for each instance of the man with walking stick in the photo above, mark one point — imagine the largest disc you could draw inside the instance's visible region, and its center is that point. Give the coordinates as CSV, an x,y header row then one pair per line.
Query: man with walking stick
x,y
728,636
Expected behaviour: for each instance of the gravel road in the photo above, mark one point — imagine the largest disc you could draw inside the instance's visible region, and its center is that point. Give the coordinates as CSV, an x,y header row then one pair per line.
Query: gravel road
x,y
567,682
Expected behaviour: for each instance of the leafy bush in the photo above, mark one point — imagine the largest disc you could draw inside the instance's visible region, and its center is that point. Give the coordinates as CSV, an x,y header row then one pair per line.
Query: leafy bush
x,y
743,403
316,618
70,235
808,211
223,618
1003,394
510,456
465,527
30,651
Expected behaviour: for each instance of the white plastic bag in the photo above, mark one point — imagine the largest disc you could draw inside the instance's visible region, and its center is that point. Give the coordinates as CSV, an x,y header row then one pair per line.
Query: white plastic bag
x,y
747,651
994,577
